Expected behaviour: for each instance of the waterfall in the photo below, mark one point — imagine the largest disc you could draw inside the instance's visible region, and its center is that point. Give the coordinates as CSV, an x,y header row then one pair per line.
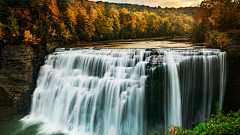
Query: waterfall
x,y
173,113
86,91
92,91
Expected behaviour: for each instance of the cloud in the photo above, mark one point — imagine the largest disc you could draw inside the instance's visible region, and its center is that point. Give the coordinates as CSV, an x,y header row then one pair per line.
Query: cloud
x,y
170,3
161,3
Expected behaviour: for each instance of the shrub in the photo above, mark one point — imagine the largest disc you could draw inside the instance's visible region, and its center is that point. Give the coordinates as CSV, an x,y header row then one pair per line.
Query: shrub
x,y
218,39
217,124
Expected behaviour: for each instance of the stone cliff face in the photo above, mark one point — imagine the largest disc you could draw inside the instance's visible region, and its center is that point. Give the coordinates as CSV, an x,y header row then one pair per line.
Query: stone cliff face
x,y
18,74
19,67
232,95
17,70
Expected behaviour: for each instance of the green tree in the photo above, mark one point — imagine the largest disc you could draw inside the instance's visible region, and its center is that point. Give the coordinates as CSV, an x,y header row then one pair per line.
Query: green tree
x,y
14,28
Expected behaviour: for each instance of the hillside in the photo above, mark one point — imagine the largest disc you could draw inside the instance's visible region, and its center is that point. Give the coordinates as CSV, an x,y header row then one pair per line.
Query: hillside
x,y
35,21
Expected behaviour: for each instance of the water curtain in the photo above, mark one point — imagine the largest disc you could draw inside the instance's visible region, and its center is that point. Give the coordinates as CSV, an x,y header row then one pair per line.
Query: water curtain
x,y
86,91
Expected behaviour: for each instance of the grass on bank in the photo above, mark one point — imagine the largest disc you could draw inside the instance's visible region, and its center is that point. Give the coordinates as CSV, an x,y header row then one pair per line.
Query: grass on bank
x,y
217,124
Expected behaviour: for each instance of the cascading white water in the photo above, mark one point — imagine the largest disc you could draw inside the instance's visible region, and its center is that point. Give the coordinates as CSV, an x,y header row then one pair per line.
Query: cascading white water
x,y
104,91
200,76
173,113
223,77
91,91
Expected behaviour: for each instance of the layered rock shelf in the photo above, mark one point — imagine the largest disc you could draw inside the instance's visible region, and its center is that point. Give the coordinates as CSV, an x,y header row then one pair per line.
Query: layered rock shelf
x,y
16,73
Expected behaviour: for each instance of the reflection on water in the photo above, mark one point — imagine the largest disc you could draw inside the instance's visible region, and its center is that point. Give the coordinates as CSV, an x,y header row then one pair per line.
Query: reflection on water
x,y
17,127
143,44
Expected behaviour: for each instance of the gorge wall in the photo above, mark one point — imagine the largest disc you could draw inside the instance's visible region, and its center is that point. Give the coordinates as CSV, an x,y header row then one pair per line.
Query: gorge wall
x,y
18,74
19,67
232,95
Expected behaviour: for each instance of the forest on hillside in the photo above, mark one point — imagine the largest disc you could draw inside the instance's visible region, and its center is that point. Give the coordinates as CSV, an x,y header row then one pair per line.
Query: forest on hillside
x,y
215,21
35,21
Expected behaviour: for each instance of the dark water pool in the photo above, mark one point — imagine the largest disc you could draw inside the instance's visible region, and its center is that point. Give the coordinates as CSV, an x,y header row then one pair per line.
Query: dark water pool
x,y
17,127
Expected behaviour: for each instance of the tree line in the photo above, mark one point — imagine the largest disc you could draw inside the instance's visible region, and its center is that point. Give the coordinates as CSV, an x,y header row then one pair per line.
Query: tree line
x,y
35,21
215,15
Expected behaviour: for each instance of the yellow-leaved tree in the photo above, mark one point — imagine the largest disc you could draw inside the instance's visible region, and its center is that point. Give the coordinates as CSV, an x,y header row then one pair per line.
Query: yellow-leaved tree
x,y
28,37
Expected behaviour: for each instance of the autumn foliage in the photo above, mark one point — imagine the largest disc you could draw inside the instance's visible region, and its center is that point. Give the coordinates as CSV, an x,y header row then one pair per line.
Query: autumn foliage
x,y
35,21
218,16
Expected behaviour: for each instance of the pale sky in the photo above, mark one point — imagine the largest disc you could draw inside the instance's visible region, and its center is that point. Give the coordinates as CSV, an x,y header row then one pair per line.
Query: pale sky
x,y
161,3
